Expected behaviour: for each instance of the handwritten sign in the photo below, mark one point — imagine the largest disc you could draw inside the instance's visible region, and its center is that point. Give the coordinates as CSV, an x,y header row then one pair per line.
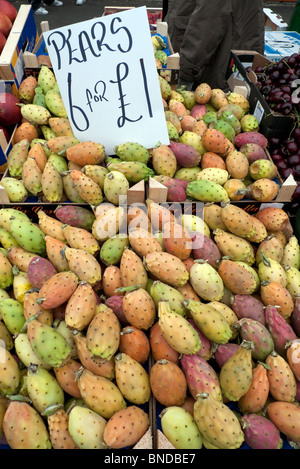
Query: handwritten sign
x,y
106,73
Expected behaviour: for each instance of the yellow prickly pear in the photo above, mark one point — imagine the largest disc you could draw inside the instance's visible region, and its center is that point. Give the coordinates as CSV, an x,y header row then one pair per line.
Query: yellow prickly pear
x,y
236,373
132,379
103,334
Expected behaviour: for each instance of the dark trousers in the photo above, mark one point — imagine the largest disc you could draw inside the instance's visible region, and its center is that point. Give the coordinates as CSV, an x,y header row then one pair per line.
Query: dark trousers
x,y
37,3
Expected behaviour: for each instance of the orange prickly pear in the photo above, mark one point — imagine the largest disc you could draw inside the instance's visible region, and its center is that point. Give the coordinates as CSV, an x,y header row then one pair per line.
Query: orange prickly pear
x,y
84,153
135,343
111,281
54,251
138,307
292,355
24,428
168,383
87,189
100,394
81,307
132,379
66,377
142,242
61,126
57,289
238,221
236,373
167,268
239,277
281,378
103,334
31,307
177,240
60,144
160,348
37,152
50,226
126,427
80,238
286,417
20,257
256,397
158,215
217,423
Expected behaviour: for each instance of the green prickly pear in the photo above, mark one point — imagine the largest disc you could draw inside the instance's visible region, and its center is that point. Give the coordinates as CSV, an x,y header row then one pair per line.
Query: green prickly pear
x,y
86,428
59,162
160,291
236,373
193,139
46,79
291,253
39,97
207,191
29,236
130,151
217,423
24,428
8,214
180,428
98,173
272,271
35,114
43,388
100,394
47,132
134,171
26,353
17,157
55,104
52,183
263,169
12,312
172,131
132,379
112,249
49,345
293,280
15,189
6,274
210,321
224,127
177,331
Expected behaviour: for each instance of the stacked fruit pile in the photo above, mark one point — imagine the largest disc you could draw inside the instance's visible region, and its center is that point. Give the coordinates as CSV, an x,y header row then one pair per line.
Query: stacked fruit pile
x,y
216,152
8,14
84,303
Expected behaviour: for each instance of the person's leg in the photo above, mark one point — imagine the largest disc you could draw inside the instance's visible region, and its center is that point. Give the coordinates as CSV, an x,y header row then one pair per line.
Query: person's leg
x,y
248,25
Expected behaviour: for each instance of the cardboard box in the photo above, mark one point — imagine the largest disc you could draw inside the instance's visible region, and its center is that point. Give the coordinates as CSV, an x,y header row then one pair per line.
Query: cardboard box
x,y
273,21
279,44
271,123
23,37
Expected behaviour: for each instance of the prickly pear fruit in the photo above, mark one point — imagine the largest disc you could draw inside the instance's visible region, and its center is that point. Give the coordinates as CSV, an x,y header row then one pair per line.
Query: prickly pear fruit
x,y
132,379
168,383
132,269
19,257
293,280
164,161
222,352
260,432
97,366
238,277
66,377
271,247
138,307
274,294
205,248
50,226
281,378
49,345
270,270
285,416
24,428
6,274
81,307
255,332
207,191
17,157
160,291
158,215
217,423
167,268
32,176
61,126
206,281
247,306
295,316
80,238
256,397
209,321
112,249
86,428
274,218
177,240
180,428
292,356
39,271
126,427
200,376
52,183
9,372
234,247
135,343
130,151
57,289
160,348
251,137
43,388
83,265
111,280
143,243
104,326
58,424
100,394
21,284
15,189
186,155
12,313
86,188
280,330
291,253
54,251
214,140
75,216
35,114
238,221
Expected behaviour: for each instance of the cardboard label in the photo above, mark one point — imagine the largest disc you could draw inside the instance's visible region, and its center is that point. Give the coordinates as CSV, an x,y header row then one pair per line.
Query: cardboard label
x,y
259,111
106,73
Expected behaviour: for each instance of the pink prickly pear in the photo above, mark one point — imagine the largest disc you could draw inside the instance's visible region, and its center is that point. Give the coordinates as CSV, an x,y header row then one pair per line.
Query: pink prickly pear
x,y
295,316
280,330
260,432
39,271
75,216
251,137
198,111
115,303
247,306
186,155
206,345
176,189
255,332
253,151
200,376
205,248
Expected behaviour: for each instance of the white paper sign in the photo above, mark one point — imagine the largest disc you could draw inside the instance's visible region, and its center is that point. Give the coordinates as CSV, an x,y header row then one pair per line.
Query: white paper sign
x,y
106,73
